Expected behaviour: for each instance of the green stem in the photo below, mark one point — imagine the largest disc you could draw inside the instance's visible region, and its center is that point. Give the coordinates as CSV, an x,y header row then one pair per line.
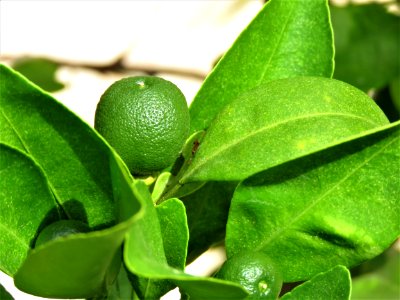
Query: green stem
x,y
170,192
175,184
188,153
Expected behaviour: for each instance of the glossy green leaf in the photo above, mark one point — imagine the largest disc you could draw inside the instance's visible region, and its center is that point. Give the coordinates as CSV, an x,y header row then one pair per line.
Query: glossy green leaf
x,y
192,144
286,39
367,43
4,295
382,282
144,256
175,235
78,266
74,267
73,156
23,188
280,121
334,284
41,71
337,206
207,214
83,174
159,186
188,189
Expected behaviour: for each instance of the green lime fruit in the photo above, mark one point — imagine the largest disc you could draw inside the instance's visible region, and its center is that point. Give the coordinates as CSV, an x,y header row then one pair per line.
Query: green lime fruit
x,y
255,272
146,120
60,229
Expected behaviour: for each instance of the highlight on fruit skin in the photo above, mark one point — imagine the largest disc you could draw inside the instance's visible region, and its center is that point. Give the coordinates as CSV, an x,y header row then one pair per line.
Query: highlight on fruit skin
x,y
146,120
256,272
59,229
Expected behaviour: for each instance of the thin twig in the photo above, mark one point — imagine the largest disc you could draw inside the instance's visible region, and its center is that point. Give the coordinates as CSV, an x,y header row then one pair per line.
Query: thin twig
x,y
117,66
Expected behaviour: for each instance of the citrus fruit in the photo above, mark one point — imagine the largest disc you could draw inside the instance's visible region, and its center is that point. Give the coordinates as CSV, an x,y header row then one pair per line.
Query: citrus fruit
x,y
255,272
60,229
146,120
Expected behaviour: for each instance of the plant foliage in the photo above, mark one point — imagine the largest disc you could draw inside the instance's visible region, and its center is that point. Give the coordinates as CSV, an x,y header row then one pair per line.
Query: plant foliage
x,y
283,160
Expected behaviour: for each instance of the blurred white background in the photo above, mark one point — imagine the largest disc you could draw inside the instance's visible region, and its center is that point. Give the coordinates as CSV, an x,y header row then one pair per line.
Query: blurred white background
x,y
172,37
180,40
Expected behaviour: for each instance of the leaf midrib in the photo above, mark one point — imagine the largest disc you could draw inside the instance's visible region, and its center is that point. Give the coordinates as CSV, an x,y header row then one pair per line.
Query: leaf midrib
x,y
319,199
277,44
15,130
38,165
266,128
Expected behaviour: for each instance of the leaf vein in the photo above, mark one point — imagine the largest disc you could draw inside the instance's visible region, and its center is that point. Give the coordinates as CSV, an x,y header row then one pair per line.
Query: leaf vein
x,y
294,219
277,44
28,152
12,233
263,129
15,130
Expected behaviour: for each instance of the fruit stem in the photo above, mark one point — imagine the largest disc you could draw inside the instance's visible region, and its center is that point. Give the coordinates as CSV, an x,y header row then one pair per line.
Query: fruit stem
x,y
170,192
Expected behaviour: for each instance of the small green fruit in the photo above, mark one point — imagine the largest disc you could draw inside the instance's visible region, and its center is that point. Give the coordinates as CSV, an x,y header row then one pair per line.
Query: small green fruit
x,y
255,272
146,120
